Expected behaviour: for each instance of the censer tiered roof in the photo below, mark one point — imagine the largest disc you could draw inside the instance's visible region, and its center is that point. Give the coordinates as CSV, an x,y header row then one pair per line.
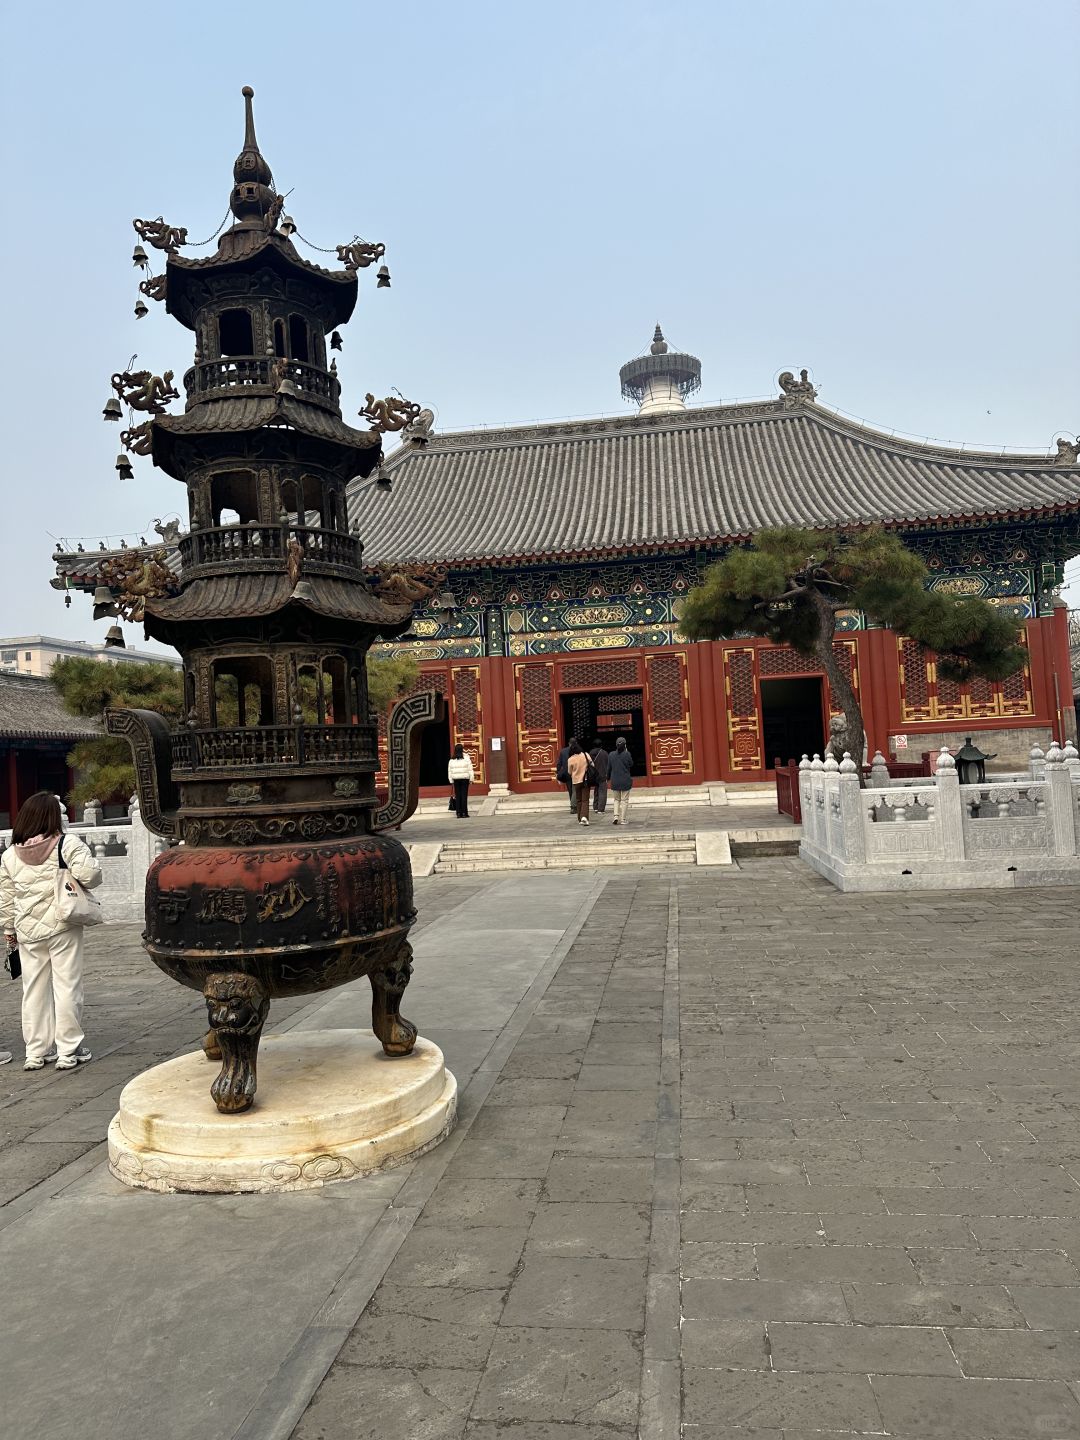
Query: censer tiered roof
x,y
266,396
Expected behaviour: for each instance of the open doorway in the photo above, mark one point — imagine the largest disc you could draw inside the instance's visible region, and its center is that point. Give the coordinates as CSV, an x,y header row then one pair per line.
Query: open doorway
x,y
604,715
792,718
435,753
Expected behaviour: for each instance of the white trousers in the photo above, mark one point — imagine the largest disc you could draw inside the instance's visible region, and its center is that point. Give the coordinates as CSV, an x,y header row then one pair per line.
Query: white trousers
x,y
621,799
52,997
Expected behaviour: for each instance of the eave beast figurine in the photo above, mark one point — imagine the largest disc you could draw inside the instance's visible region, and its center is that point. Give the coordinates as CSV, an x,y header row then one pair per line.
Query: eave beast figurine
x,y
283,884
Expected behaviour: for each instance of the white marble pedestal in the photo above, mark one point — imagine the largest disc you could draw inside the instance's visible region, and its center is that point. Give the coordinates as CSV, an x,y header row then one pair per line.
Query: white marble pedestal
x,y
330,1106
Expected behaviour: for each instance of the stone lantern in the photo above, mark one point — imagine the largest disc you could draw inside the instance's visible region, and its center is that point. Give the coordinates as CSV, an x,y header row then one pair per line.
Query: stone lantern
x,y
971,763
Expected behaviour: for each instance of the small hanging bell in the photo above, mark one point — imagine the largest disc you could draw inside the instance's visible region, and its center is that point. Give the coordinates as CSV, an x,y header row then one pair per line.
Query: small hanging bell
x,y
287,226
139,258
302,591
383,480
112,409
103,602
67,601
123,467
114,638
141,308
335,341
383,273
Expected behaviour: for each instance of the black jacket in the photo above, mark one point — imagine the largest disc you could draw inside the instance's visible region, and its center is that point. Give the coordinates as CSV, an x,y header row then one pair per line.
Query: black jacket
x,y
601,763
622,765
561,772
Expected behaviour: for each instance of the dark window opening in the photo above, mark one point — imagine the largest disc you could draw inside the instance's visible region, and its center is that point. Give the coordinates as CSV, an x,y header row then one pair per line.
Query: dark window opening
x,y
604,716
233,494
235,334
435,754
243,692
279,337
298,338
792,719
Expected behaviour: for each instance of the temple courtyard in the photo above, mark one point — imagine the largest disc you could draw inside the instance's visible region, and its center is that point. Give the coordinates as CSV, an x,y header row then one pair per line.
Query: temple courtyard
x,y
736,1153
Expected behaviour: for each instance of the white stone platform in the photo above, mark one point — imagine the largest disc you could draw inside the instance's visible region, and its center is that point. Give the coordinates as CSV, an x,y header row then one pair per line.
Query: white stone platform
x,y
330,1106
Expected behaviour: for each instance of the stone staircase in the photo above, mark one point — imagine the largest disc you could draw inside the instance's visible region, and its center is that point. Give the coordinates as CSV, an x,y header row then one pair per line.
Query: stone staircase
x,y
581,849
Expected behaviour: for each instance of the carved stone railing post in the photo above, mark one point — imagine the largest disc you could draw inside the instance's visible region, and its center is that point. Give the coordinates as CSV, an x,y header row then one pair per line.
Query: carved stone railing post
x,y
1059,802
852,811
1037,762
950,814
93,813
805,798
879,772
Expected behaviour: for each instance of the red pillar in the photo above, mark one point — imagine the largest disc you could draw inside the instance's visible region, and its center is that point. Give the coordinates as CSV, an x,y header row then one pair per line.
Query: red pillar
x,y
704,718
874,687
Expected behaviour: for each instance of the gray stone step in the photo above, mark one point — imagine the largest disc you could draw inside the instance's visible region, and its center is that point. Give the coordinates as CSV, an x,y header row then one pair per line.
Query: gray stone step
x,y
569,860
575,851
580,837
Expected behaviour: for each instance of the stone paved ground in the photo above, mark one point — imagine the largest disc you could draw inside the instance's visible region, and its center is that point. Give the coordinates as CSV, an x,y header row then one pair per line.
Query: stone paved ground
x,y
764,1161
875,1225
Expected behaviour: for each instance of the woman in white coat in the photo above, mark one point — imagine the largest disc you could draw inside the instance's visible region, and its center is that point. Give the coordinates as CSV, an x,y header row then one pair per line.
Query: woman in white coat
x,y
460,773
50,950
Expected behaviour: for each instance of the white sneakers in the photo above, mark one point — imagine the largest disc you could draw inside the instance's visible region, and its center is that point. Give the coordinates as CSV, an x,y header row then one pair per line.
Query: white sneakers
x,y
39,1064
75,1059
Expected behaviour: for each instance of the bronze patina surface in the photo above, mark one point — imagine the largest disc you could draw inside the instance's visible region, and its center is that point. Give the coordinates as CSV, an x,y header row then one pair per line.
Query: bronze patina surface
x,y
282,884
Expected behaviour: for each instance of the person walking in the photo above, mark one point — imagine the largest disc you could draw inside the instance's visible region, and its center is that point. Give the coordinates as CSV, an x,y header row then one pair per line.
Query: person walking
x,y
578,765
460,773
51,950
562,774
621,767
600,759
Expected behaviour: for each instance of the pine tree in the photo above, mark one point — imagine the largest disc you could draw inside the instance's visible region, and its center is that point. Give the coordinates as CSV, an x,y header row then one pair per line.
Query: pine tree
x,y
790,584
89,687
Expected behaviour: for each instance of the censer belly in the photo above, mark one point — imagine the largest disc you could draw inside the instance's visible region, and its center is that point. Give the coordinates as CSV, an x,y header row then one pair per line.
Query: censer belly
x,y
298,917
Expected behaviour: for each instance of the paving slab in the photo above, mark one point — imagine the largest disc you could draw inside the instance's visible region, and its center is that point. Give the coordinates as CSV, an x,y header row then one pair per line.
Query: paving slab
x,y
870,1105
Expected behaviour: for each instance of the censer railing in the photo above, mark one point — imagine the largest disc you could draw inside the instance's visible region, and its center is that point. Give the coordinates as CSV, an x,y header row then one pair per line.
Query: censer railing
x,y
222,377
222,544
273,745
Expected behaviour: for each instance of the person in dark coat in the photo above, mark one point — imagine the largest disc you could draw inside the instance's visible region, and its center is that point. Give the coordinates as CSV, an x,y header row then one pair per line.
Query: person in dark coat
x,y
562,773
600,760
621,767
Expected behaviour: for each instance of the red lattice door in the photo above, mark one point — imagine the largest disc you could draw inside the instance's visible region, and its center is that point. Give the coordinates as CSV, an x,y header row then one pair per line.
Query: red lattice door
x,y
537,734
466,716
743,709
667,702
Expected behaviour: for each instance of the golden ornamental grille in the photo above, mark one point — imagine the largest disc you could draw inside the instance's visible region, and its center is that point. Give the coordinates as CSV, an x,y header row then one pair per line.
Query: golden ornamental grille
x,y
742,699
600,674
466,700
666,698
537,710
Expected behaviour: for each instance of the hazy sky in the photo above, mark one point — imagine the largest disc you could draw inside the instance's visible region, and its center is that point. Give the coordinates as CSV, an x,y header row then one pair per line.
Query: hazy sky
x,y
885,193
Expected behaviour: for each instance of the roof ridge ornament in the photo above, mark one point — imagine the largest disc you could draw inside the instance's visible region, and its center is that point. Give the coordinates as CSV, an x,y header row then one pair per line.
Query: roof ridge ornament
x,y
1068,452
795,392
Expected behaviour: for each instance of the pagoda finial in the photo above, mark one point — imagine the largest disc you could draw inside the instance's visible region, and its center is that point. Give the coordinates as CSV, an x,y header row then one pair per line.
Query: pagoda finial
x,y
250,143
661,380
253,191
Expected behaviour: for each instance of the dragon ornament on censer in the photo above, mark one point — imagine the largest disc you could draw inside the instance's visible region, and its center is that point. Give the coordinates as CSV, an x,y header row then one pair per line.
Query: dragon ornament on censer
x,y
282,883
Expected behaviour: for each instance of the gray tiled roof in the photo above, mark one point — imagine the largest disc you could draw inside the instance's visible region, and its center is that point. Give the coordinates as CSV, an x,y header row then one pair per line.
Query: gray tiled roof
x,y
31,708
696,476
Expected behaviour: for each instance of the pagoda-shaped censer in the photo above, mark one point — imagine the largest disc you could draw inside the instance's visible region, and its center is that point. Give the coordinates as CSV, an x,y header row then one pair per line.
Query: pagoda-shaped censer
x,y
281,884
